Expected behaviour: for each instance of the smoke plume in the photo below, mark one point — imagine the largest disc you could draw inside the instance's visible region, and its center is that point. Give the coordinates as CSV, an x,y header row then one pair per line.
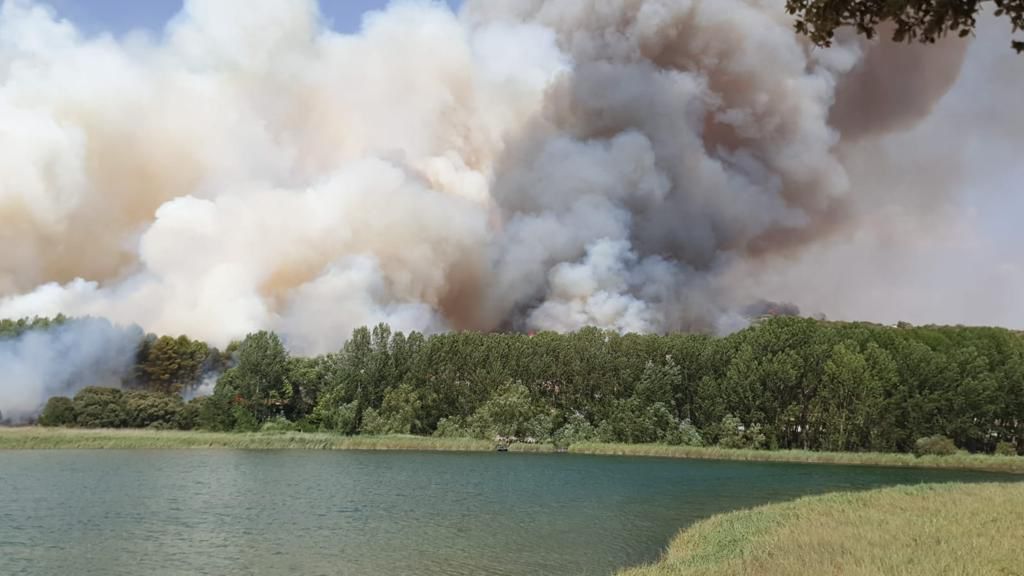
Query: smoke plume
x,y
60,361
525,164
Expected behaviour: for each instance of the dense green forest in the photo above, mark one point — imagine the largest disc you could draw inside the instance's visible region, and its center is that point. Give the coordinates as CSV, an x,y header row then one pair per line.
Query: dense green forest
x,y
783,382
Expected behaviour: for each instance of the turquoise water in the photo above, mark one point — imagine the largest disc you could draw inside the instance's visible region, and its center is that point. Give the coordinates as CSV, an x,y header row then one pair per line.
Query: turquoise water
x,y
111,513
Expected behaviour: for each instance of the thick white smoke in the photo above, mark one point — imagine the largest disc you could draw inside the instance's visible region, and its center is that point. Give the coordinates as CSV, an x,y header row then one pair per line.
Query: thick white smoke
x,y
526,164
60,361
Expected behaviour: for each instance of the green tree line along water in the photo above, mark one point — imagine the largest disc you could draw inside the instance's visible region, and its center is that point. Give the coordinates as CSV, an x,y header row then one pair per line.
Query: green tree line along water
x,y
782,383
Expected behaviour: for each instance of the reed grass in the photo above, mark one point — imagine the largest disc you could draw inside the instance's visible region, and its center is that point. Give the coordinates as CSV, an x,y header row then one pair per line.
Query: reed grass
x,y
38,438
126,439
960,461
910,531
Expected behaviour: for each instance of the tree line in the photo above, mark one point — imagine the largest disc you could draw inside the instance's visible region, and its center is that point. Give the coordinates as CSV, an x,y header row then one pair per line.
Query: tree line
x,y
782,383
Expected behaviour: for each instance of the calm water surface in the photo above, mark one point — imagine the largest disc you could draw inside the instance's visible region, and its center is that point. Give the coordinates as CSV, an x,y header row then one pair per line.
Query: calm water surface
x,y
112,513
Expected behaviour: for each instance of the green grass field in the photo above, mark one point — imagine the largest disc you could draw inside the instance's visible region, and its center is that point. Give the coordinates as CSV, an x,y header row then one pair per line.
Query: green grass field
x,y
37,438
926,530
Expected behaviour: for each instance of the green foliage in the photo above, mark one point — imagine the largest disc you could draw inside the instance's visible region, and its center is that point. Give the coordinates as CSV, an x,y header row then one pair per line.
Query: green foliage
x,y
148,409
338,418
373,424
847,401
658,382
278,425
686,434
934,446
244,419
1006,449
911,20
170,365
576,430
633,422
453,427
59,411
400,411
732,433
97,407
260,379
188,418
10,328
786,383
216,412
511,412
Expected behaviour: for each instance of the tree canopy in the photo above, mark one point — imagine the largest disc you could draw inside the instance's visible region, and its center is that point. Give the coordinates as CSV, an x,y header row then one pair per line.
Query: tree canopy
x,y
911,20
781,383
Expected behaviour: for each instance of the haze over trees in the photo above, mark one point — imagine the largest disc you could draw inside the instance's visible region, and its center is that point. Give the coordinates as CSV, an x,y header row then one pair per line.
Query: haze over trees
x,y
782,383
910,20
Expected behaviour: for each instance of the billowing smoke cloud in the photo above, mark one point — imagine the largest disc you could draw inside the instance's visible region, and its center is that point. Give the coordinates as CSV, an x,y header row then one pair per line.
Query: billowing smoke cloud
x,y
526,164
61,360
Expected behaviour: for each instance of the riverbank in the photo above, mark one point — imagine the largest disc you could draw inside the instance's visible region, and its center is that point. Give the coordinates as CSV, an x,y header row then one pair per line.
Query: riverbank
x,y
909,530
38,438
964,461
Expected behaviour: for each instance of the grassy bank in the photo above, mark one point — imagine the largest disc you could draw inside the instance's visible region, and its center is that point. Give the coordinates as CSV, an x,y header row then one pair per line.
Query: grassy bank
x,y
75,438
921,530
1012,464
36,438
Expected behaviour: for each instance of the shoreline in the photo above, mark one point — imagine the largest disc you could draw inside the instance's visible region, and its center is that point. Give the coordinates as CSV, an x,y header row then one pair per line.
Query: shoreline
x,y
911,530
38,438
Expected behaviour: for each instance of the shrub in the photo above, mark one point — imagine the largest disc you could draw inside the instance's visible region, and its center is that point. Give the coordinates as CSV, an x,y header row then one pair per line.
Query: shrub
x,y
575,430
388,420
509,412
453,427
538,427
215,412
400,411
336,417
151,410
59,411
305,425
188,418
373,424
97,407
686,434
278,425
633,422
1006,449
934,446
245,420
733,434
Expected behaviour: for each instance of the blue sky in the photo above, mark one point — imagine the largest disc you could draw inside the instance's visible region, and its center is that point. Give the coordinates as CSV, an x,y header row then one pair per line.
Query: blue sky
x,y
120,16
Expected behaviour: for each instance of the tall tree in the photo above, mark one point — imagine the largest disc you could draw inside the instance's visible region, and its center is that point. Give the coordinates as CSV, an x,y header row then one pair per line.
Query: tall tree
x,y
170,365
260,378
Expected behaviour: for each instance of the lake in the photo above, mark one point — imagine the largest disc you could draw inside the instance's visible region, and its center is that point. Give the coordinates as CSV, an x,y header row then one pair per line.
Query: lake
x,y
110,513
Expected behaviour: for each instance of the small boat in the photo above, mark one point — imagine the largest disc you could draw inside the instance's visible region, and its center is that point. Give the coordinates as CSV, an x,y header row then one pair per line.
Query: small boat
x,y
502,447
